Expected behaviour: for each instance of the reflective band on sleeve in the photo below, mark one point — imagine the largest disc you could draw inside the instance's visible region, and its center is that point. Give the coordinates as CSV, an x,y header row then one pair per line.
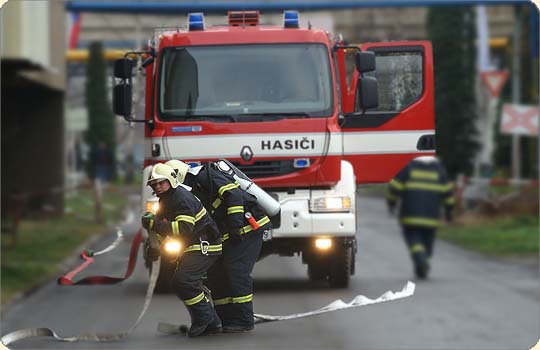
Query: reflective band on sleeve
x,y
428,187
418,248
194,300
186,218
227,187
450,201
235,209
396,184
424,175
262,221
415,221
234,300
175,229
151,224
200,214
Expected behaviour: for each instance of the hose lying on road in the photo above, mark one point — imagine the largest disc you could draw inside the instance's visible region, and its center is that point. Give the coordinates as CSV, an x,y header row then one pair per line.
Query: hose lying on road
x,y
46,332
135,244
358,301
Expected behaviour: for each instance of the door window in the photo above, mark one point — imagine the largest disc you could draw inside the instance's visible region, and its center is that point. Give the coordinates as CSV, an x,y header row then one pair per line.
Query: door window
x,y
400,78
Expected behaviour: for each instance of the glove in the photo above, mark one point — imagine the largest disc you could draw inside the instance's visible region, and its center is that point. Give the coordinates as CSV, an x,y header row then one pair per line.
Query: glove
x,y
449,215
152,253
147,220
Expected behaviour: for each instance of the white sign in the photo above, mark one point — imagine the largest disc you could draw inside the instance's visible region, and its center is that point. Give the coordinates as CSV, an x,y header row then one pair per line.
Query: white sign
x,y
520,119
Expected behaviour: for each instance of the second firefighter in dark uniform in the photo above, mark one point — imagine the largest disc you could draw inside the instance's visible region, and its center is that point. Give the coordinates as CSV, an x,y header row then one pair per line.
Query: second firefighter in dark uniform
x,y
242,222
422,187
182,216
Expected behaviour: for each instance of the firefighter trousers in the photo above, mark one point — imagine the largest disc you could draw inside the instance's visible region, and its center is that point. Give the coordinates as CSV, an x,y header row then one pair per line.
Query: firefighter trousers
x,y
187,283
420,241
231,283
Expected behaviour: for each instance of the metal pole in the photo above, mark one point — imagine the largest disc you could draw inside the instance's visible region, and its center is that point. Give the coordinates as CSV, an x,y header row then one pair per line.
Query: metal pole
x,y
516,89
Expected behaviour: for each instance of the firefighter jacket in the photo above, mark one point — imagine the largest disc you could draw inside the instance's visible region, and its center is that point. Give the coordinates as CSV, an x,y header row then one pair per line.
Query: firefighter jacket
x,y
228,203
183,216
422,187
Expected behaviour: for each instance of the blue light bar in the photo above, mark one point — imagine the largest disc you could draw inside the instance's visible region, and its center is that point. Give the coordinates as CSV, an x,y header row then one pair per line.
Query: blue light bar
x,y
300,163
196,21
290,19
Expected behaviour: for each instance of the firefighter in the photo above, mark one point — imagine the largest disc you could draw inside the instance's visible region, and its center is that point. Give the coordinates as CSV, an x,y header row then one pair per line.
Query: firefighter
x,y
422,188
242,223
182,216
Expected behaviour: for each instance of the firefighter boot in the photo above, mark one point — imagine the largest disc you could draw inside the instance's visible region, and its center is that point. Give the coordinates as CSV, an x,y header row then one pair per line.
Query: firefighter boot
x,y
421,265
201,317
215,326
239,318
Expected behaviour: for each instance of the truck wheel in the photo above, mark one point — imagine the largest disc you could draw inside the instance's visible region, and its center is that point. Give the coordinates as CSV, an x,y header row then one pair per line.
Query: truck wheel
x,y
340,272
316,273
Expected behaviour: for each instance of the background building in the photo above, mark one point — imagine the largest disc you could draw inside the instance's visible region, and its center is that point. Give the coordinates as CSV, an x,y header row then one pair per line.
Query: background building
x,y
33,80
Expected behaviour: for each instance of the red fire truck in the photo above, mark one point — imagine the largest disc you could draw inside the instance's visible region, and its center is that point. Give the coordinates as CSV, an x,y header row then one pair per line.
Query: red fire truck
x,y
303,114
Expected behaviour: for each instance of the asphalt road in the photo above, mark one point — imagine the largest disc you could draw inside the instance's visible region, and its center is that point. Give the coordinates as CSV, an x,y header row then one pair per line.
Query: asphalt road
x,y
470,302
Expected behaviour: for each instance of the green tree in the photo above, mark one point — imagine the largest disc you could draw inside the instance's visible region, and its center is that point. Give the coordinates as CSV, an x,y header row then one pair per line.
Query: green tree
x,y
101,126
452,33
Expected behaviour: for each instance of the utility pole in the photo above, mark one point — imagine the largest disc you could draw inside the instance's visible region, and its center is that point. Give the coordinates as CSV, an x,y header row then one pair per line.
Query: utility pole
x,y
516,89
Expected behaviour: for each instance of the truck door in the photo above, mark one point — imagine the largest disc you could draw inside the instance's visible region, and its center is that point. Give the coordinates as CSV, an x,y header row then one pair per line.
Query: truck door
x,y
382,141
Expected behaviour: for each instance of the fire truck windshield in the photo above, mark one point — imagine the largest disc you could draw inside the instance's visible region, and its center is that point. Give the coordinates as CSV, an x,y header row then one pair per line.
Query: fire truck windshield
x,y
245,82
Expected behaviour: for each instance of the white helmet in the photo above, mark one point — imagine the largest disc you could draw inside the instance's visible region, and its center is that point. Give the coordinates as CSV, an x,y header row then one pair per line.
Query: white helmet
x,y
180,168
161,172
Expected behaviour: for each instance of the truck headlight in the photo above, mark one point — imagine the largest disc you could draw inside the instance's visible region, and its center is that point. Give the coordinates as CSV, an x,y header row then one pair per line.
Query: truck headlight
x,y
172,246
323,243
152,206
340,204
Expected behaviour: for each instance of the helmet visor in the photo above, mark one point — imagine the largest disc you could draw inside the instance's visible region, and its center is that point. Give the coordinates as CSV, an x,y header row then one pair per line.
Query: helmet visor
x,y
152,182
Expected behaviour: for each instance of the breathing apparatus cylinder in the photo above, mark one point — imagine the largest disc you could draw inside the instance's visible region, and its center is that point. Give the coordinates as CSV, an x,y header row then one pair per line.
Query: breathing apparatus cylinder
x,y
270,205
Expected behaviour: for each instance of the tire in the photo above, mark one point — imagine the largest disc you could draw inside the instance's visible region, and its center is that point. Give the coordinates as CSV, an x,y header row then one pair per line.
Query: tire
x,y
340,272
316,273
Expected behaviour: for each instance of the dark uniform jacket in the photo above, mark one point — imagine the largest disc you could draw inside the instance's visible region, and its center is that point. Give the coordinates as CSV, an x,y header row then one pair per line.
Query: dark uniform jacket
x,y
227,202
183,216
422,188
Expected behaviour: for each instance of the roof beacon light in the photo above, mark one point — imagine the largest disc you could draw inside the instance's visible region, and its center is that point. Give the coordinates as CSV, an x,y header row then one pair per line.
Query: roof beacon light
x,y
196,21
291,19
243,18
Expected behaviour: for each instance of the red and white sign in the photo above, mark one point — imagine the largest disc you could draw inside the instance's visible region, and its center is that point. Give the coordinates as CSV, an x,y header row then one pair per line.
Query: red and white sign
x,y
494,81
520,119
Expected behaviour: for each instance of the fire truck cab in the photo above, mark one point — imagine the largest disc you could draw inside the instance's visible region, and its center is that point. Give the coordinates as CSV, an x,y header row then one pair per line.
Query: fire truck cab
x,y
303,114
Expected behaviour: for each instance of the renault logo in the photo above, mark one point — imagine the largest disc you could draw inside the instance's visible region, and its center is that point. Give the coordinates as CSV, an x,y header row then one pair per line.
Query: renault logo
x,y
246,153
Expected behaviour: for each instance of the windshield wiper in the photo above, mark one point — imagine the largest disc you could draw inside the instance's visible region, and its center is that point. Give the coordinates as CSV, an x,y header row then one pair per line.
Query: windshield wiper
x,y
242,117
269,116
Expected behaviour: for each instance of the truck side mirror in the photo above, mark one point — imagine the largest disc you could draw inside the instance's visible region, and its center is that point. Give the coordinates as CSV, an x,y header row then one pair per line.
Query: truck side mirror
x,y
365,61
123,68
366,94
122,95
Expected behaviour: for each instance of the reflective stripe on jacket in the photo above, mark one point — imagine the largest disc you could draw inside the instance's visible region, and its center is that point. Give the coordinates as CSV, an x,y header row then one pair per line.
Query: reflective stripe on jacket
x,y
183,216
422,189
227,202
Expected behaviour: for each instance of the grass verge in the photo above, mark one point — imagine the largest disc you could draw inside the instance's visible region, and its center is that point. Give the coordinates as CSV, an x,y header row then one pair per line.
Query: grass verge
x,y
44,243
505,236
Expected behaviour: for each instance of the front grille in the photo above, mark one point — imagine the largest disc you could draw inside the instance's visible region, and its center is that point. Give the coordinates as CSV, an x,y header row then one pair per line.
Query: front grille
x,y
266,168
